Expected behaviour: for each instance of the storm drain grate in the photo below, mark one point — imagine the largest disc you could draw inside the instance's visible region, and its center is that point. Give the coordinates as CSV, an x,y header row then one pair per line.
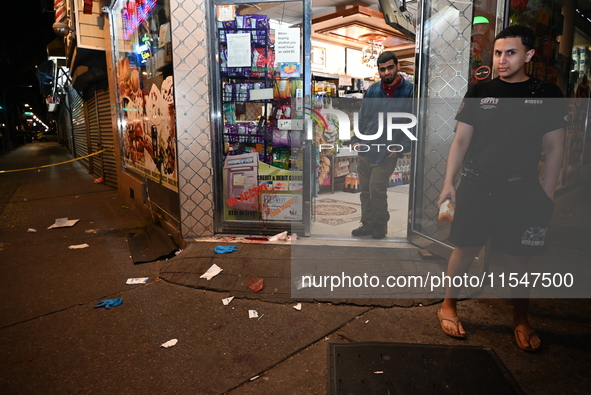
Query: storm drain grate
x,y
402,368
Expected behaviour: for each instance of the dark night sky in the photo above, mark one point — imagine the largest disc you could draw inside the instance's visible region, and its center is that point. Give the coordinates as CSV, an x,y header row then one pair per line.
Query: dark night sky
x,y
26,31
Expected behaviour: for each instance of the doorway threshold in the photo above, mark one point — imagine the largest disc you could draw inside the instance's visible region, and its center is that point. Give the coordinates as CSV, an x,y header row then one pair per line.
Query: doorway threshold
x,y
320,240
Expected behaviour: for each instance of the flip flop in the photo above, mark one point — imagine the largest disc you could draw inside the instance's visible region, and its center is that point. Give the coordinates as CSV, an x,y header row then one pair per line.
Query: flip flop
x,y
453,320
528,333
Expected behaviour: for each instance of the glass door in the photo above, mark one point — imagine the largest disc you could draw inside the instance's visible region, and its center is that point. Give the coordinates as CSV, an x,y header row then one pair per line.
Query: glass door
x,y
258,91
455,42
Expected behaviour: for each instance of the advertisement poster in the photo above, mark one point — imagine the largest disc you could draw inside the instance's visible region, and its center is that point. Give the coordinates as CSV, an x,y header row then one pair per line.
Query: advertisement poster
x,y
282,207
256,191
149,136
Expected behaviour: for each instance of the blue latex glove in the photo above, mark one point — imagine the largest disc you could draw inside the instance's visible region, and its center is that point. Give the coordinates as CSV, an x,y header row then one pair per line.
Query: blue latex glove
x,y
108,303
225,249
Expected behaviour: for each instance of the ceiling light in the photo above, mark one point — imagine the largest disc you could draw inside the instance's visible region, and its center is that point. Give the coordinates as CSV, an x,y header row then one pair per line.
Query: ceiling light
x,y
372,49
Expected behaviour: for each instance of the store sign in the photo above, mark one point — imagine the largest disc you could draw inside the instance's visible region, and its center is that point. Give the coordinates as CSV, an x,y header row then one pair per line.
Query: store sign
x,y
482,73
134,14
144,53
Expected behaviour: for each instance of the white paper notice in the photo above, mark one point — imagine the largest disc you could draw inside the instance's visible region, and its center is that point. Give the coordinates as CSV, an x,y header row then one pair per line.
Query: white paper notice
x,y
226,12
213,271
345,81
239,54
287,45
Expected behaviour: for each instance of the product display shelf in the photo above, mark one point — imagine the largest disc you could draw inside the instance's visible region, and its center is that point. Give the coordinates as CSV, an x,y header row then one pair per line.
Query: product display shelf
x,y
246,116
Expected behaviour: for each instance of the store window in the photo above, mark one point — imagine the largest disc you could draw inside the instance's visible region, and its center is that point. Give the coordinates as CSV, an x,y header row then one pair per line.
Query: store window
x,y
562,58
143,54
260,131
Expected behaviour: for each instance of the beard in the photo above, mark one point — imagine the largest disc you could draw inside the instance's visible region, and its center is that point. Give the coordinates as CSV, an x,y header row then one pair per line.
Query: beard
x,y
390,79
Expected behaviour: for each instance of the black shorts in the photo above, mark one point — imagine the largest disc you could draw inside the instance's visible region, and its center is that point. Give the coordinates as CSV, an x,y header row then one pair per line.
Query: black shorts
x,y
516,218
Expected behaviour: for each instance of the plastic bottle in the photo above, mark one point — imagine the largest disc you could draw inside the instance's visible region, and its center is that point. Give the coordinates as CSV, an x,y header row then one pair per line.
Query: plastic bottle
x,y
446,212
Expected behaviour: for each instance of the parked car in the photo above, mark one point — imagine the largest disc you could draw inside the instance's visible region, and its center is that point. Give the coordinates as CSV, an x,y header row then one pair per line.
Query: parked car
x,y
47,136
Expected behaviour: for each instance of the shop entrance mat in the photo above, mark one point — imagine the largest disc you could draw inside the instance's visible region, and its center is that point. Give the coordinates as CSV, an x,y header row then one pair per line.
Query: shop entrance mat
x,y
403,368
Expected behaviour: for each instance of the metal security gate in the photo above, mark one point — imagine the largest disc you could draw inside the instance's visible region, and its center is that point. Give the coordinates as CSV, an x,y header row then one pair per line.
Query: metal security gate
x,y
105,128
100,135
96,167
79,128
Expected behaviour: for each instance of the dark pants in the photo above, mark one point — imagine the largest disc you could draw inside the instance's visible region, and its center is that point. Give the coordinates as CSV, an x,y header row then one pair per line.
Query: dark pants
x,y
373,183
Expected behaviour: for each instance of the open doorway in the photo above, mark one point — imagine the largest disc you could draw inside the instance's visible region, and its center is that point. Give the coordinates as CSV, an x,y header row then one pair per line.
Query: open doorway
x,y
345,43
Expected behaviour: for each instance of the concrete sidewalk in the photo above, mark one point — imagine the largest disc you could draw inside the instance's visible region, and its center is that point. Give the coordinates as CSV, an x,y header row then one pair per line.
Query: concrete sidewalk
x,y
54,341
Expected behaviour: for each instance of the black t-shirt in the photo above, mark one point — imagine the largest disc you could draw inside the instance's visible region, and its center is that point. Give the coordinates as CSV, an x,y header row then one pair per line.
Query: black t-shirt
x,y
509,121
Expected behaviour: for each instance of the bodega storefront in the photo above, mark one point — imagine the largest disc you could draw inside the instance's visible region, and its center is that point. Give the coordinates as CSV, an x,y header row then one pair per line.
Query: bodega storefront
x,y
222,105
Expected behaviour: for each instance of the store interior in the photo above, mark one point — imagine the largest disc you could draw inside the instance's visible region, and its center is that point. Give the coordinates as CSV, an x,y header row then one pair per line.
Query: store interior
x,y
360,33
346,40
345,43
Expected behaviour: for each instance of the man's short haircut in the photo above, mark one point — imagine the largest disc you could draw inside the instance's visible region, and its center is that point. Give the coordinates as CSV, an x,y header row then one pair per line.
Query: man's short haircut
x,y
523,32
387,56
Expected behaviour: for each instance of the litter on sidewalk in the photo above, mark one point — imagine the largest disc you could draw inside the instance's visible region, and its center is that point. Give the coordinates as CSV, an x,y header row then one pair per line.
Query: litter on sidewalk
x,y
298,307
108,303
78,246
137,280
279,236
213,271
224,249
253,314
169,343
255,284
226,301
300,283
31,230
64,223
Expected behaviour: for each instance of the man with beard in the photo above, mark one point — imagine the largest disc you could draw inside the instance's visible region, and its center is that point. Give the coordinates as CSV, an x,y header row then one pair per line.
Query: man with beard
x,y
377,157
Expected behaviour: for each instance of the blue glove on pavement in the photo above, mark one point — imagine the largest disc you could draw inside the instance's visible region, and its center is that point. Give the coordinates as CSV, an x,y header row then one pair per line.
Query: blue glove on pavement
x,y
225,249
108,303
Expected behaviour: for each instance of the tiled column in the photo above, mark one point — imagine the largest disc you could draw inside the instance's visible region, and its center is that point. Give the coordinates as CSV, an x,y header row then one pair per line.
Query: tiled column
x,y
191,86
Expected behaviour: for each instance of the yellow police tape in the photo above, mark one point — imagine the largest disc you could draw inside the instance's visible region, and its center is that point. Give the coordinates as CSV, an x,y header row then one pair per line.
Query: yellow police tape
x,y
60,163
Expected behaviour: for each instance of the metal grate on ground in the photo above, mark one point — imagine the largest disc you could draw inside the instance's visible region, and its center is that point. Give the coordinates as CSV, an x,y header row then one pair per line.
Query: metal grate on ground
x,y
401,368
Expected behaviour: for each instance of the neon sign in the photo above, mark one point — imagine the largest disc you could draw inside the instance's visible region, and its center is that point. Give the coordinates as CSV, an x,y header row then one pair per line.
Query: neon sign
x,y
134,13
144,50
144,53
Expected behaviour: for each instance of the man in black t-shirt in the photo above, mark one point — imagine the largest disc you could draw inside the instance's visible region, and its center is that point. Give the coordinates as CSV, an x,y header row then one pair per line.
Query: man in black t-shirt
x,y
498,139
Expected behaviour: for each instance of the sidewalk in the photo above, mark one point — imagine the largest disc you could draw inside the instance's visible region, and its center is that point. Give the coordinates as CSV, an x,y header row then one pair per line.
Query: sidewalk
x,y
54,341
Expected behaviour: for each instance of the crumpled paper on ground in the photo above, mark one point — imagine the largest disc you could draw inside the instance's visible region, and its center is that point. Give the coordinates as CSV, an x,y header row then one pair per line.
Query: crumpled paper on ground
x,y
78,246
169,343
63,223
213,271
279,236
